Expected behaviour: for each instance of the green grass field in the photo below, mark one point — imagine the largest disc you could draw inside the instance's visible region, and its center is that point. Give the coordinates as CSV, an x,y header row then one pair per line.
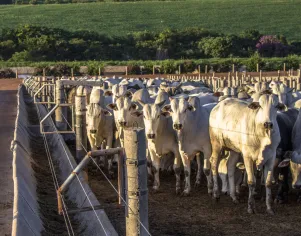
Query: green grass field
x,y
226,16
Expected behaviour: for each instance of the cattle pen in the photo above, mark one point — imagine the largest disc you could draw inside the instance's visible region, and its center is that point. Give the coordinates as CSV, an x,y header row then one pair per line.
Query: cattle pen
x,y
98,205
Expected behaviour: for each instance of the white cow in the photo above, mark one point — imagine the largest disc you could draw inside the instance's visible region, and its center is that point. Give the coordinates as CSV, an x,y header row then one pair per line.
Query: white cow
x,y
192,125
100,123
162,140
250,129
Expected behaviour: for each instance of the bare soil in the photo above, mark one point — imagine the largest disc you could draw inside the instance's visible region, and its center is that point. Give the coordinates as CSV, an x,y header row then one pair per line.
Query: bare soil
x,y
198,214
8,112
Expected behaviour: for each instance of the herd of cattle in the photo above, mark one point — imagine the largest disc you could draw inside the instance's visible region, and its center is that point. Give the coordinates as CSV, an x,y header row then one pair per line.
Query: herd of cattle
x,y
232,133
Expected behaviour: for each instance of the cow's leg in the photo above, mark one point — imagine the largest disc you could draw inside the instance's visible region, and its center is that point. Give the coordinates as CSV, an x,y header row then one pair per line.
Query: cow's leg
x,y
231,165
177,169
156,170
283,188
200,170
112,160
214,159
251,182
187,172
268,177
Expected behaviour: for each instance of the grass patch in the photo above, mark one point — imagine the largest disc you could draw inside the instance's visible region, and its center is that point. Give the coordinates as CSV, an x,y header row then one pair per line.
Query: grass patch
x,y
112,18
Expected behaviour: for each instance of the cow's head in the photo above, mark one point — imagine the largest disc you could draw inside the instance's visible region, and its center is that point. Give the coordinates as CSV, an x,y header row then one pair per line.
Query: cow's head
x,y
267,107
122,108
119,91
178,109
94,116
151,117
283,92
293,161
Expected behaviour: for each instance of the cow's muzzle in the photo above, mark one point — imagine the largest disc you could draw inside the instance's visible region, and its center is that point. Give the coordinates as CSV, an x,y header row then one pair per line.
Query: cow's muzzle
x,y
177,126
268,125
93,131
151,136
122,123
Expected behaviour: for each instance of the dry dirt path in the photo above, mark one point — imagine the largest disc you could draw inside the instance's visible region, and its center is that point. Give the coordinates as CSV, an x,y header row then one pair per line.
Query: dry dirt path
x,y
8,111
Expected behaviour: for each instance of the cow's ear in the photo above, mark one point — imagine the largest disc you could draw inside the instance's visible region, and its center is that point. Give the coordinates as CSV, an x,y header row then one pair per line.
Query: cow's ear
x,y
165,113
108,93
134,106
136,113
128,94
106,112
166,108
281,107
284,163
240,166
218,94
191,108
160,104
254,105
112,106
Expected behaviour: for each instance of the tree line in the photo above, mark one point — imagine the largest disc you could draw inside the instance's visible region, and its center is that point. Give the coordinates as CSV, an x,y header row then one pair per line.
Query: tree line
x,y
32,43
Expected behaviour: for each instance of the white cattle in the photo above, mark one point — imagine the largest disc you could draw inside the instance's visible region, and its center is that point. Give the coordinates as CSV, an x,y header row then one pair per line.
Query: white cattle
x,y
250,129
162,140
224,168
100,123
192,125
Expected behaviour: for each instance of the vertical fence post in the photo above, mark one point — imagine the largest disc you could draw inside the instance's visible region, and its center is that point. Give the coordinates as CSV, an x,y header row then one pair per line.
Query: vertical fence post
x,y
80,127
284,65
60,112
206,69
137,192
17,75
257,67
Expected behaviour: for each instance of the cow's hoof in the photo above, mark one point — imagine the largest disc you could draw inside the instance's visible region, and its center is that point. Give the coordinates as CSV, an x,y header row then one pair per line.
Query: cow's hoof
x,y
251,211
270,212
225,193
155,189
178,191
216,199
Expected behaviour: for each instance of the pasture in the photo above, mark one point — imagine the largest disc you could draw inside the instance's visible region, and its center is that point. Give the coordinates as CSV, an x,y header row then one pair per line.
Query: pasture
x,y
111,18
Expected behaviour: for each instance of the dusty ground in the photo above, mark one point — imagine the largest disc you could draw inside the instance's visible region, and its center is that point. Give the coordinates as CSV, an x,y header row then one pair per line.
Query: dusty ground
x,y
54,223
199,214
8,111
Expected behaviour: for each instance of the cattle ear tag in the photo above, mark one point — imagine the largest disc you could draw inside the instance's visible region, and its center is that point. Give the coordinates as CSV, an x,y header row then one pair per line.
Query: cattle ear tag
x,y
254,105
284,163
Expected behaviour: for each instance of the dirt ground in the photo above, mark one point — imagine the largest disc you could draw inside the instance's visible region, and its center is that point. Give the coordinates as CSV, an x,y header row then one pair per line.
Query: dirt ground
x,y
198,214
53,223
8,111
